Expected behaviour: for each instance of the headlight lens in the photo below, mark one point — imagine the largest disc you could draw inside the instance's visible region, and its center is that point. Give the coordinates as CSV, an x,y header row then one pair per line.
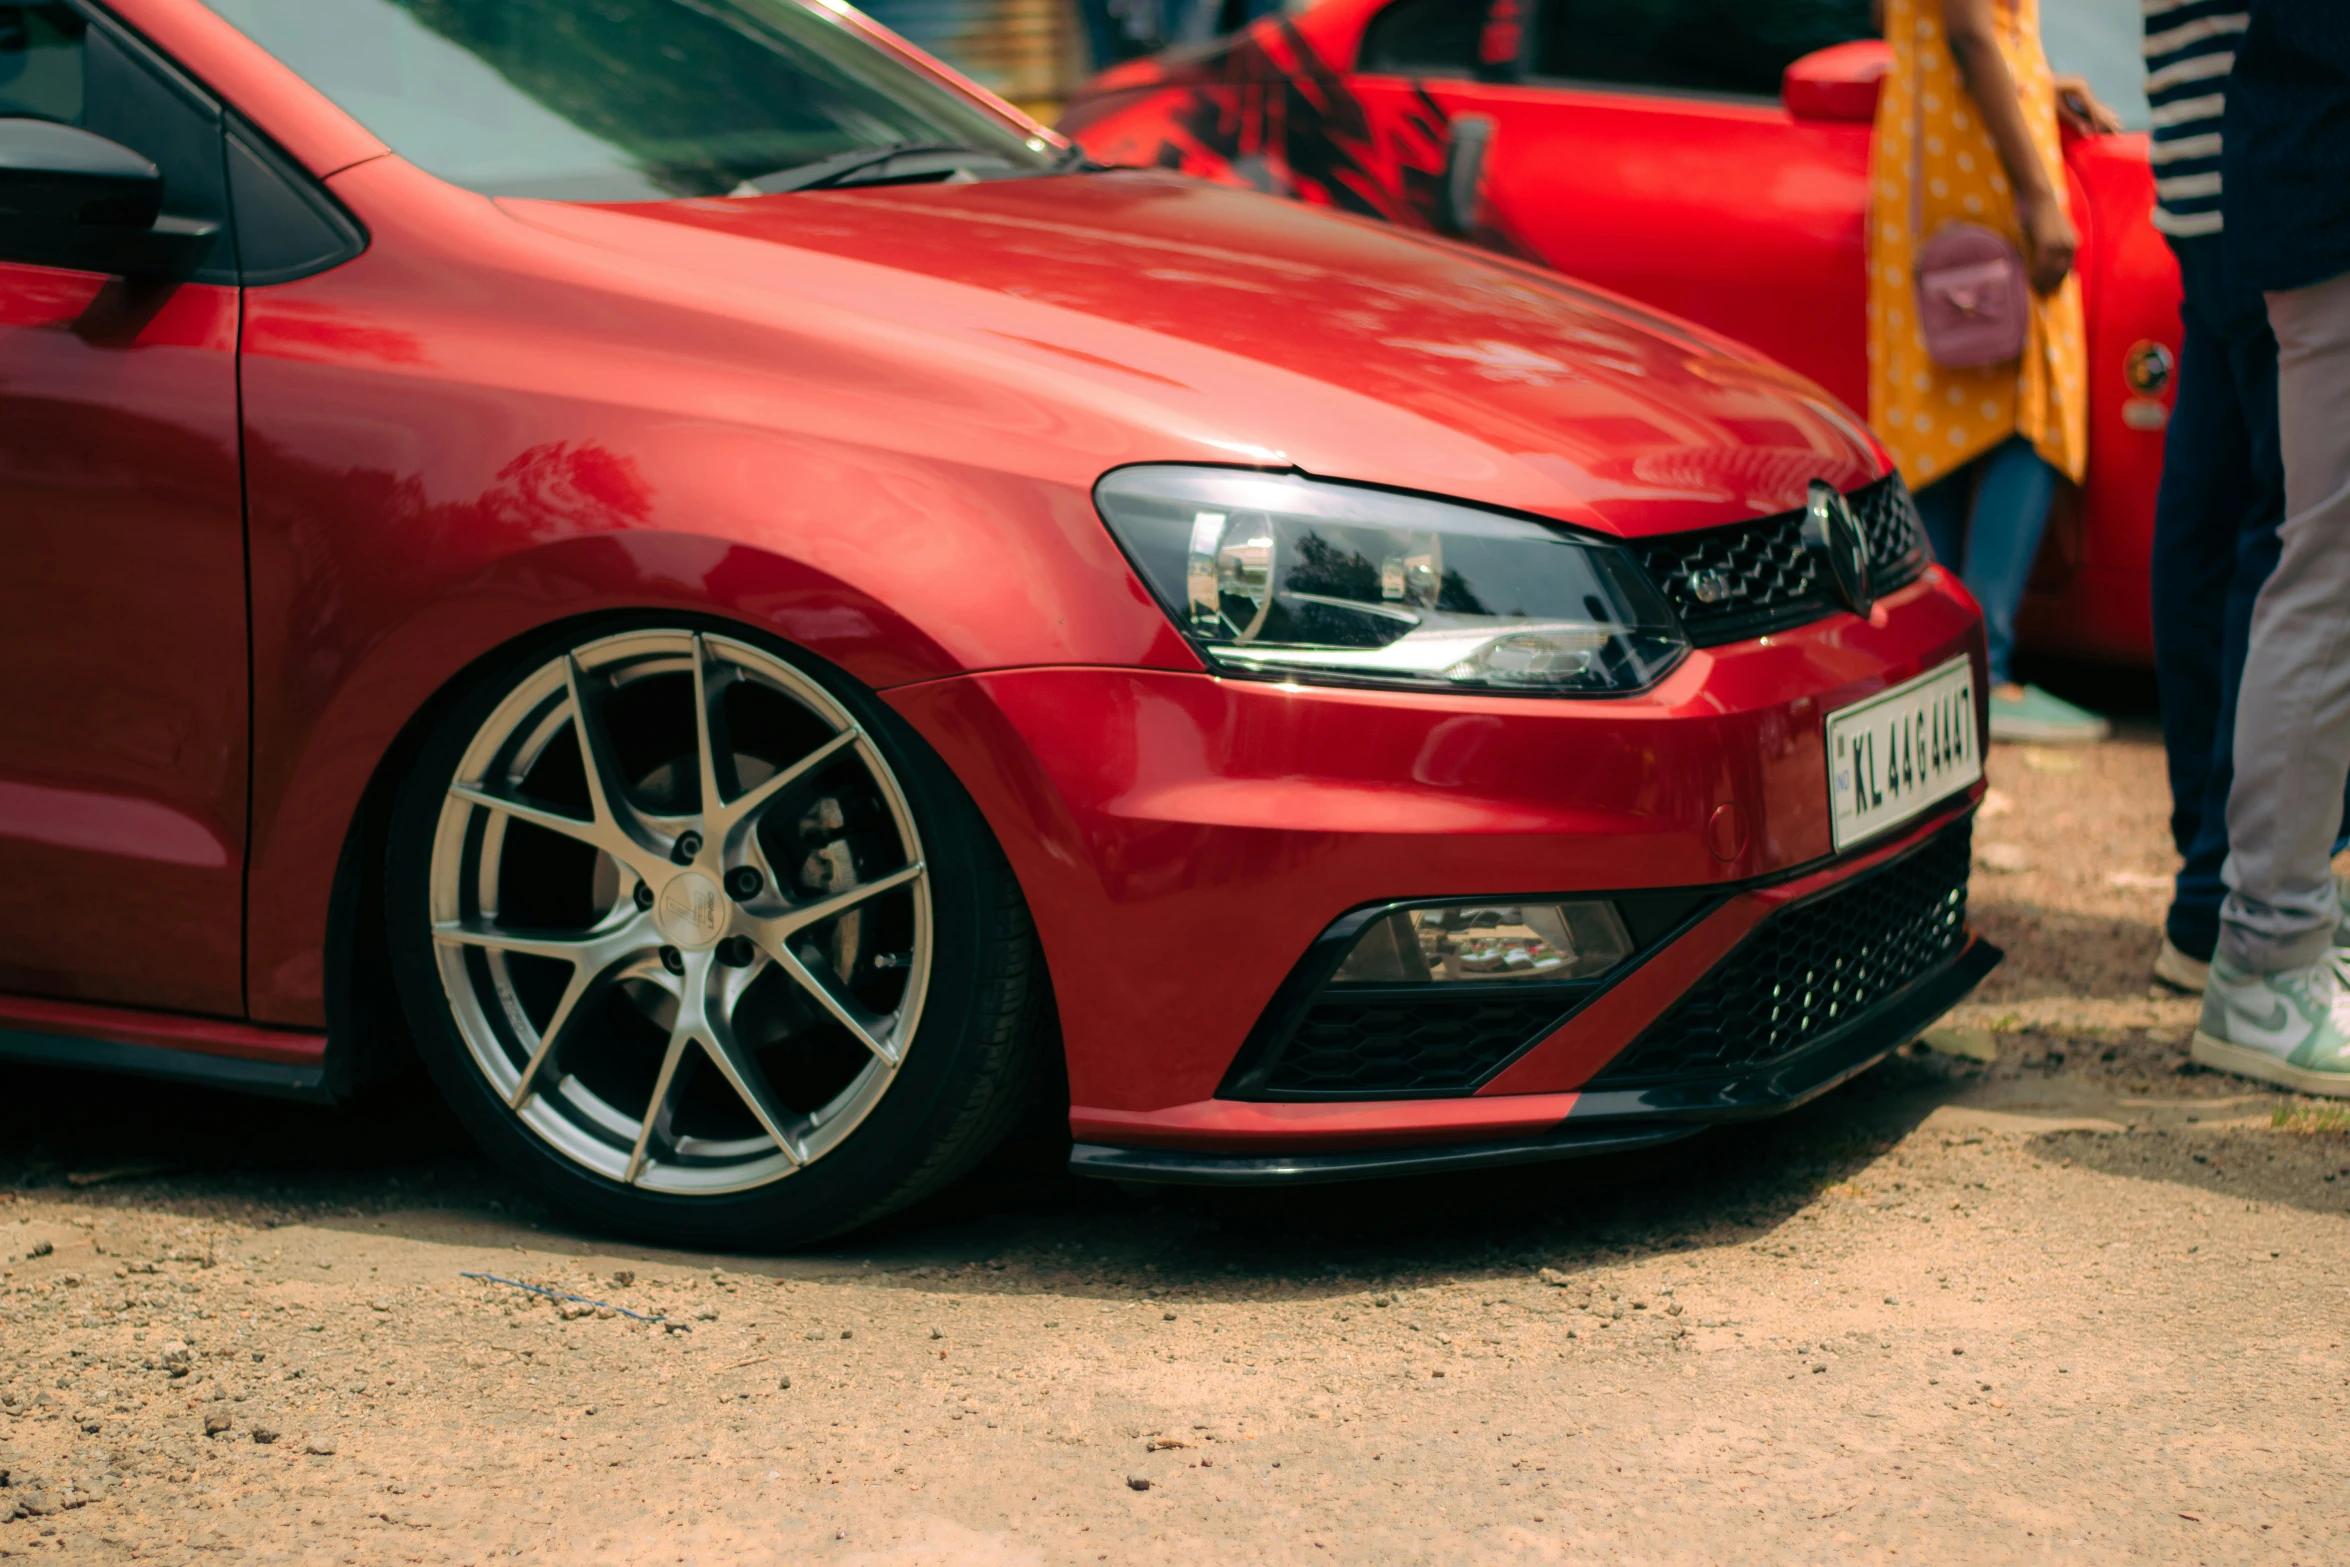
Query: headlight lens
x,y
1276,575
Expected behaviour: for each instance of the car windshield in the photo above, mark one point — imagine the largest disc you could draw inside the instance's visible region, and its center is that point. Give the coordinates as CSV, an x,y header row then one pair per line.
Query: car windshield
x,y
620,100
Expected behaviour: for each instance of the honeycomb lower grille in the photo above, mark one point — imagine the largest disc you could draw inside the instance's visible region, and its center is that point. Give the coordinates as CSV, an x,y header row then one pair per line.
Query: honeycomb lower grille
x,y
1350,1046
1810,969
1753,578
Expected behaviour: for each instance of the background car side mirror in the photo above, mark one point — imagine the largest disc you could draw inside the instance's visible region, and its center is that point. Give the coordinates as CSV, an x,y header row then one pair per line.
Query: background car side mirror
x,y
1839,82
1466,140
71,199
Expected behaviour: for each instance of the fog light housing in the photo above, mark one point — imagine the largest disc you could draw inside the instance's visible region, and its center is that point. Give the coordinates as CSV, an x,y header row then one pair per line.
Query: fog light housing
x,y
1429,997
1487,943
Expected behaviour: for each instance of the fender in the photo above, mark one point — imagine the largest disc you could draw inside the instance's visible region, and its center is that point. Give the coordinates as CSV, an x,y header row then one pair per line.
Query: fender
x,y
313,774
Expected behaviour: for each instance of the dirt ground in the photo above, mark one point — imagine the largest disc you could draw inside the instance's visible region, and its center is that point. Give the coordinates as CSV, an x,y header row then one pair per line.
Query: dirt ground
x,y
2077,1303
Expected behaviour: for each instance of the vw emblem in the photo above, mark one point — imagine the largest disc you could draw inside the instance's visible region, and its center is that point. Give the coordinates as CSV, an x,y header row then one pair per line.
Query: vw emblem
x,y
1709,586
1839,550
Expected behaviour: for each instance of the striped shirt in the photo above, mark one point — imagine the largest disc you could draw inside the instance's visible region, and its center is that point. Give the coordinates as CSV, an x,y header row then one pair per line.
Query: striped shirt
x,y
2190,48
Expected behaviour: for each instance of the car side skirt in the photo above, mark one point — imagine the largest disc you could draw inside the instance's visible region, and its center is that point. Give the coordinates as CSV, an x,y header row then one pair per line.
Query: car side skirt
x,y
213,1051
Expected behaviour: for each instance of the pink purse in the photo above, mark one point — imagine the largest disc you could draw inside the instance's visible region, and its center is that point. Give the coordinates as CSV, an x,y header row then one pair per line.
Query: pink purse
x,y
1974,301
1973,298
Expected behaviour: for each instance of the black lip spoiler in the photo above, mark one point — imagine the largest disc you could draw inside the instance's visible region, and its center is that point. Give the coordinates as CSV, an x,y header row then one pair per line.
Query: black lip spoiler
x,y
1603,1122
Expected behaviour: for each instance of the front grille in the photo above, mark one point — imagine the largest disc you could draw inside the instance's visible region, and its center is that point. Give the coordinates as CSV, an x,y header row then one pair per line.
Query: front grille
x,y
1753,578
1897,534
1352,1047
1812,968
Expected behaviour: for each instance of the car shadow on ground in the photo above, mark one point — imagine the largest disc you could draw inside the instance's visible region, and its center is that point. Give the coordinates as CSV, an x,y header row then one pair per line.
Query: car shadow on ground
x,y
397,1164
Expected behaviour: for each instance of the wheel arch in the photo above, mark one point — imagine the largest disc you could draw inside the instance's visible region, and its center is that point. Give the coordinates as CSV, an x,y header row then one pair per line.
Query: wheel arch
x,y
324,763
367,1035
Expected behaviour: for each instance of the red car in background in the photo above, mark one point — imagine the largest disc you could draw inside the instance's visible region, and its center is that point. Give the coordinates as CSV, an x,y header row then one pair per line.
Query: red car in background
x,y
1707,157
727,591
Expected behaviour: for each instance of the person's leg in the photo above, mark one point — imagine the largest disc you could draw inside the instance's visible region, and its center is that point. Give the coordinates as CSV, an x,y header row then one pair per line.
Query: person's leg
x,y
2003,537
1942,507
2274,1008
2293,717
2008,511
2204,458
2215,525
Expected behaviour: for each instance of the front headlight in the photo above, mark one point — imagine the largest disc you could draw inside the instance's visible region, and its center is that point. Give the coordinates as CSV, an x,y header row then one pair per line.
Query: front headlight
x,y
1292,578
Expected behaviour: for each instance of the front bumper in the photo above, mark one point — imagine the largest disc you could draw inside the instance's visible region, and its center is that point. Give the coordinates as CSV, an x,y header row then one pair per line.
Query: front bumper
x,y
1183,839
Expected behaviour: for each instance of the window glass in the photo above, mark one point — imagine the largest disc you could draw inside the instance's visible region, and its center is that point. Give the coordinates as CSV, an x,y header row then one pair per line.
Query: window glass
x,y
40,63
1424,38
615,100
1739,47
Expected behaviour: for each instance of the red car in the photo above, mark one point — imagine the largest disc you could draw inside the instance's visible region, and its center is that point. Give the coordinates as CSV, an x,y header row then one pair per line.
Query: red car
x,y
712,580
1709,159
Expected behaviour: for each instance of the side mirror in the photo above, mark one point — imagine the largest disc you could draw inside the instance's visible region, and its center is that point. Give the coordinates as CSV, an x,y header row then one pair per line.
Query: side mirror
x,y
1466,141
74,200
1839,82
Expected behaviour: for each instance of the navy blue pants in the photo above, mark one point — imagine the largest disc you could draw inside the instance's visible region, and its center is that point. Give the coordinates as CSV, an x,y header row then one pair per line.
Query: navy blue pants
x,y
2215,543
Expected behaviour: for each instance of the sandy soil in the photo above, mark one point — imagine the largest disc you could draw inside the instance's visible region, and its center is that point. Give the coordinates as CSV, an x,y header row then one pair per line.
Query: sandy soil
x,y
2078,1303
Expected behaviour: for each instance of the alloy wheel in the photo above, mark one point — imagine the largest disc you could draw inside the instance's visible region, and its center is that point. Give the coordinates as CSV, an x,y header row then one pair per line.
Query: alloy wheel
x,y
680,912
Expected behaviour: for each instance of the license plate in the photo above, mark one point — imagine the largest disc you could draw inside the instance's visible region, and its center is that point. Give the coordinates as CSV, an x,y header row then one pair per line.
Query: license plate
x,y
1895,754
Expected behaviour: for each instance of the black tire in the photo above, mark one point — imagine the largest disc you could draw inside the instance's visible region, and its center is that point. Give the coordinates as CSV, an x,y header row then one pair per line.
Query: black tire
x,y
968,1064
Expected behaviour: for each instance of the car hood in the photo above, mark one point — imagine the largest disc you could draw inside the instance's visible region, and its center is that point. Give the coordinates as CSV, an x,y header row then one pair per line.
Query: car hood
x,y
1214,324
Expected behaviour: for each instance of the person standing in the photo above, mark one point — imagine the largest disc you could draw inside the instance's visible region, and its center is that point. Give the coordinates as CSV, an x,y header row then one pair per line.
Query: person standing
x,y
2275,1006
1967,133
2223,482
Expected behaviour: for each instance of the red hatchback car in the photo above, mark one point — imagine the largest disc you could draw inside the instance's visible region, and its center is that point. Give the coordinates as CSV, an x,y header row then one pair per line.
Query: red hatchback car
x,y
1707,157
721,583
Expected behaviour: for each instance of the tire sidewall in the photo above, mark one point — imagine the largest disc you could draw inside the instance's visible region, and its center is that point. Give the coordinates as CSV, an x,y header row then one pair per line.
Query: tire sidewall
x,y
942,1063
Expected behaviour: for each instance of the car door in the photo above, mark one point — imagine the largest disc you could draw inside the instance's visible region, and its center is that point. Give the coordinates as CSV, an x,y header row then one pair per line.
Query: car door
x,y
1642,145
122,570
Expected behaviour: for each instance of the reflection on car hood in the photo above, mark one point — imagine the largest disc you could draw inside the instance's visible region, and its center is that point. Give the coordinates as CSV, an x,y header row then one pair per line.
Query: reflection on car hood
x,y
1272,333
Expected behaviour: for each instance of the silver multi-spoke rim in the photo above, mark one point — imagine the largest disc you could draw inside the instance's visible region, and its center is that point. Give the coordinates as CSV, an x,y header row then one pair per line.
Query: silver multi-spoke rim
x,y
686,1019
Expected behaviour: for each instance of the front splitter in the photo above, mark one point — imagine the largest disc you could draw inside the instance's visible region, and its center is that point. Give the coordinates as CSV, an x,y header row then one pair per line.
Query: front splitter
x,y
1604,1122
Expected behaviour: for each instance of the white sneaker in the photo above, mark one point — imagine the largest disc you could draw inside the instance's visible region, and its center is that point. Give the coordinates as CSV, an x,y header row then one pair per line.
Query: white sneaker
x,y
2291,1028
2179,971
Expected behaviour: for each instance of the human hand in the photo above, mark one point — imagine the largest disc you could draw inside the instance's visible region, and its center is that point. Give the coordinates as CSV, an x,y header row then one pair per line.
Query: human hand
x,y
2081,110
2050,241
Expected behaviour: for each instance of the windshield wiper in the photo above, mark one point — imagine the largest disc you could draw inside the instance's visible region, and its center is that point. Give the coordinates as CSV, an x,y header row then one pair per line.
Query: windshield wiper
x,y
840,168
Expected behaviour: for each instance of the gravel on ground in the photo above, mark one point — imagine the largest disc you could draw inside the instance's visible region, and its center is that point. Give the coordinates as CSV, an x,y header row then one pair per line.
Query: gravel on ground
x,y
2037,1290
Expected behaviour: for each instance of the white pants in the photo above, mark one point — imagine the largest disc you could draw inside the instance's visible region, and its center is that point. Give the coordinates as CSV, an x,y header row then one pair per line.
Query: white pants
x,y
2293,717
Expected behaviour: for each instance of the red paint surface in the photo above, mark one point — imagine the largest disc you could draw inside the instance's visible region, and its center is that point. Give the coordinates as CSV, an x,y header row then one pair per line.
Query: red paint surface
x,y
122,643
1745,216
1839,82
